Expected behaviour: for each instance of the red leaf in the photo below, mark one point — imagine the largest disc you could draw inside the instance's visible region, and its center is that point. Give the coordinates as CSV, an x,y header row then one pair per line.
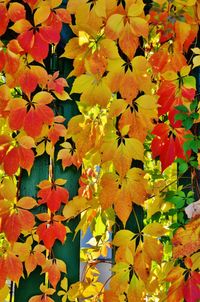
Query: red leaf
x,y
53,196
63,15
16,118
11,162
11,226
3,272
14,267
49,232
26,40
166,94
2,60
16,11
3,19
33,123
191,288
168,144
26,220
40,48
26,158
28,81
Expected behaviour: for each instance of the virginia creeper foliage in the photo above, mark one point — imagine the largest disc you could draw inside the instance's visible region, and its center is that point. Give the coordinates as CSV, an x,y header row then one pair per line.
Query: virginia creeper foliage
x,y
135,136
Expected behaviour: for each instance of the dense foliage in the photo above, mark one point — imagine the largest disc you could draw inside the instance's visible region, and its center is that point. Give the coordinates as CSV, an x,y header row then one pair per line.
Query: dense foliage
x,y
135,139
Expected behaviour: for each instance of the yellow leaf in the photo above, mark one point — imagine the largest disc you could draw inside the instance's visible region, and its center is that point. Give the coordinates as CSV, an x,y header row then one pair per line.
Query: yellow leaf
x,y
153,205
62,96
114,26
123,209
26,141
122,159
21,26
27,203
60,181
195,261
40,149
196,50
75,207
185,70
136,9
117,107
147,102
64,283
154,229
196,61
123,237
153,248
8,189
170,75
4,292
82,83
42,98
46,290
135,148
100,8
42,14
136,290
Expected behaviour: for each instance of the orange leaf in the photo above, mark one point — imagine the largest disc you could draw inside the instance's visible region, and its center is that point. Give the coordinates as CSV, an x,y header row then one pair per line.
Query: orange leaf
x,y
14,267
53,196
28,81
16,11
3,19
186,240
54,268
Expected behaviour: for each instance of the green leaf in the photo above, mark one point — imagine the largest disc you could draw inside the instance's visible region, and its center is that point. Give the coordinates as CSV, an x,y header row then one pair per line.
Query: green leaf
x,y
187,145
190,194
183,168
194,164
194,105
189,82
194,115
187,123
180,217
180,117
182,108
194,145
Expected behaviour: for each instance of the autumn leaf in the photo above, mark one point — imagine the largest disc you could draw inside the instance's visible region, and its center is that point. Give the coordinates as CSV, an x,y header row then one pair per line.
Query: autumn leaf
x,y
31,115
168,144
186,240
191,289
52,194
50,230
46,292
54,267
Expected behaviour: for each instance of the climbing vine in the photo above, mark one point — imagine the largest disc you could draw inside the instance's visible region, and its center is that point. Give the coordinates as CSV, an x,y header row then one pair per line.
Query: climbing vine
x,y
135,139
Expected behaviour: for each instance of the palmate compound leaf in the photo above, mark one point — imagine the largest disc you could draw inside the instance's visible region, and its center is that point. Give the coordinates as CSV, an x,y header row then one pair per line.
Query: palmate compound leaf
x,y
31,256
52,194
121,150
10,267
131,189
54,267
94,90
46,292
51,229
18,157
168,144
31,115
16,218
